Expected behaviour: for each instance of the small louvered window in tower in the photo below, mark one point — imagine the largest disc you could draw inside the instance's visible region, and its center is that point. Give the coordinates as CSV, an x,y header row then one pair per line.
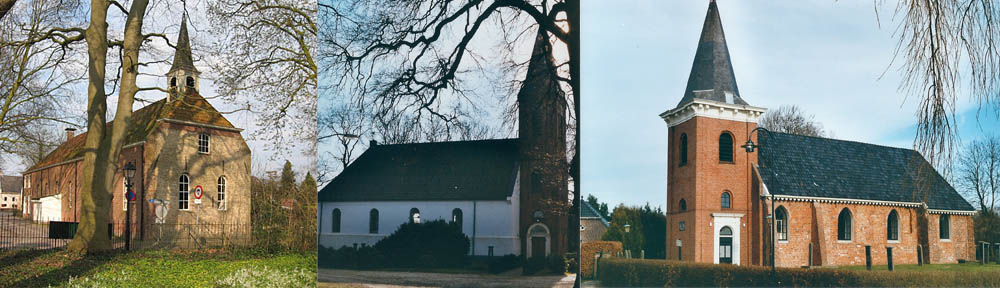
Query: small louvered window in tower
x,y
726,147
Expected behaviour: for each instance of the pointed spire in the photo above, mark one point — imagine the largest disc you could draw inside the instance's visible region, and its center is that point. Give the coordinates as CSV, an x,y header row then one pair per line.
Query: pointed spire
x,y
541,76
712,76
182,56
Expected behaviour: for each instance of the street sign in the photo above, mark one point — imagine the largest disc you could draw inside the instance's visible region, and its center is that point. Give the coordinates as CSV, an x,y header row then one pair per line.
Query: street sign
x,y
197,195
130,195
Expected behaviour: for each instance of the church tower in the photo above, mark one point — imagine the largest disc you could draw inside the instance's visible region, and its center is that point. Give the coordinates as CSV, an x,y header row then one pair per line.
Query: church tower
x,y
709,201
183,76
543,175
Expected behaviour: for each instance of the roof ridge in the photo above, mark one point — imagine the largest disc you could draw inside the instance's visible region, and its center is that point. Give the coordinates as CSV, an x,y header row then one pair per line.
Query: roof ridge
x,y
843,140
450,142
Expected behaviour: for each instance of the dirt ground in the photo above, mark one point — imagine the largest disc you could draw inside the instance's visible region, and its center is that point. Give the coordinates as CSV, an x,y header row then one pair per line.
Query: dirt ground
x,y
353,278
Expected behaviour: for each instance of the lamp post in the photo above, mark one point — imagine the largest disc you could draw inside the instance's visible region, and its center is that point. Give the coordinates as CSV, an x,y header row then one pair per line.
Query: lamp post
x,y
625,240
749,146
129,170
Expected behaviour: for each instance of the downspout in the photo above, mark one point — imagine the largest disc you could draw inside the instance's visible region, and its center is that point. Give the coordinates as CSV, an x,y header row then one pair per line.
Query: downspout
x,y
474,217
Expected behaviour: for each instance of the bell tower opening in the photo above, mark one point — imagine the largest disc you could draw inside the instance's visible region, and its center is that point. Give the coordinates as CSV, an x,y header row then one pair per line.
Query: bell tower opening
x,y
183,66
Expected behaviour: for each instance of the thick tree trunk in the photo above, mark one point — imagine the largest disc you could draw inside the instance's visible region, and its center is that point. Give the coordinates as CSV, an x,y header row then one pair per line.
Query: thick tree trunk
x,y
103,147
91,234
5,6
573,16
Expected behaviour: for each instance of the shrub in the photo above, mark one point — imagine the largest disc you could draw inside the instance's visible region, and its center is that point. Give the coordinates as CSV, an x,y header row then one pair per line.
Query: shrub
x,y
557,264
573,263
637,272
430,244
503,264
533,265
365,257
587,251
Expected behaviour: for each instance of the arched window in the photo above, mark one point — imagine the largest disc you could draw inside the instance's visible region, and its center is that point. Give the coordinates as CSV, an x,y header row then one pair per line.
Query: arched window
x,y
726,200
726,147
684,205
173,82
373,221
336,221
182,194
944,226
221,186
726,231
414,215
844,225
781,222
684,149
190,81
456,218
892,226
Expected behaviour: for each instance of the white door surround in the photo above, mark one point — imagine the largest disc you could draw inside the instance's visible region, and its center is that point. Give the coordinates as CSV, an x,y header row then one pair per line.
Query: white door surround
x,y
541,231
731,220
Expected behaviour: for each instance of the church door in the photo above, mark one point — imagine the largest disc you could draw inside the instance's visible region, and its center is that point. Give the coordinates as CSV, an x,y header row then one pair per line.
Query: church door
x,y
726,246
537,247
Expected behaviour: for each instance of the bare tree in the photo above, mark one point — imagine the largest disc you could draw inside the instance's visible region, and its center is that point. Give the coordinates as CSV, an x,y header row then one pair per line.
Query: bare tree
x,y
943,42
791,119
36,73
344,126
36,142
267,65
979,172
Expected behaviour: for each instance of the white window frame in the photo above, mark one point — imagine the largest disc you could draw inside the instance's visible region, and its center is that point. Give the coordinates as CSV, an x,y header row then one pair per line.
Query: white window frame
x,y
183,192
221,192
208,143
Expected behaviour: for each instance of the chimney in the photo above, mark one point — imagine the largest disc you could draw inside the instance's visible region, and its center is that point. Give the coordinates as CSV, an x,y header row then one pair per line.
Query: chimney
x,y
70,132
372,143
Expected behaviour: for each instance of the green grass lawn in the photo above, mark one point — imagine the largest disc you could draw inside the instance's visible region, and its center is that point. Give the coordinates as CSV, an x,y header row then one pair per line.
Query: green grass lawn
x,y
966,267
42,268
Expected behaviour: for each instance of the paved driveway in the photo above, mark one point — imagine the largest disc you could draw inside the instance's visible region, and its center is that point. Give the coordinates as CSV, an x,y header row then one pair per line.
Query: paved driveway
x,y
353,278
18,233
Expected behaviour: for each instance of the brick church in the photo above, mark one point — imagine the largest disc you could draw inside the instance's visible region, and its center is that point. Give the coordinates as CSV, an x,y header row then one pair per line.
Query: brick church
x,y
829,199
177,144
509,196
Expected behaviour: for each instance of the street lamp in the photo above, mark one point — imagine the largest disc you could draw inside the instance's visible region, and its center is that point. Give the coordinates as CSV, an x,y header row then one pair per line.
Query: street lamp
x,y
749,146
628,253
129,170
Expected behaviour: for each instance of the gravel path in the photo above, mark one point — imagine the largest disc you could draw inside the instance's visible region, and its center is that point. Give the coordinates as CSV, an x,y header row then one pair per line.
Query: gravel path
x,y
354,278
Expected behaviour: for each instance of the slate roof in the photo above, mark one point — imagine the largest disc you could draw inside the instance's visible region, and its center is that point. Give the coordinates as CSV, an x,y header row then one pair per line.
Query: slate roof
x,y
712,71
797,165
182,52
460,170
589,212
11,184
190,108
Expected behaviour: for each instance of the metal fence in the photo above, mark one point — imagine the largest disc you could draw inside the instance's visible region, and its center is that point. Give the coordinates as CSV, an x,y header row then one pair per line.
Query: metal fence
x,y
21,233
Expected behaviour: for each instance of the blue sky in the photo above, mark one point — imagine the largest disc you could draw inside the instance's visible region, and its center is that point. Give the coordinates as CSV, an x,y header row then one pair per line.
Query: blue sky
x,y
827,57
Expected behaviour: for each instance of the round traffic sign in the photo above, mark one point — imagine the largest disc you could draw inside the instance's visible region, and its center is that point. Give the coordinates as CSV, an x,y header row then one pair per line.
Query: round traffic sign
x,y
130,195
197,192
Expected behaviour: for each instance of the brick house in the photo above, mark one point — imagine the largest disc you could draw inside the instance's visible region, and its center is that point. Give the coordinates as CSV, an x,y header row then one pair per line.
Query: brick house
x,y
592,224
831,198
177,144
514,191
10,192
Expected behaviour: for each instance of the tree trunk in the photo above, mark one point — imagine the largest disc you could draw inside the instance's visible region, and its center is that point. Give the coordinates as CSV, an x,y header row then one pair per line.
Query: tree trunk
x,y
5,6
102,147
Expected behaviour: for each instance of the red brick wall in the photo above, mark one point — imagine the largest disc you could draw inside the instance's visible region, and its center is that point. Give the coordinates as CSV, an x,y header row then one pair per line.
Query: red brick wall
x,y
701,183
961,244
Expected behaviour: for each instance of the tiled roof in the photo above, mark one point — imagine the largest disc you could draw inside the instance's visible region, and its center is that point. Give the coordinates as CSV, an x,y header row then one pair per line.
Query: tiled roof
x,y
11,184
795,165
589,212
190,108
712,73
462,170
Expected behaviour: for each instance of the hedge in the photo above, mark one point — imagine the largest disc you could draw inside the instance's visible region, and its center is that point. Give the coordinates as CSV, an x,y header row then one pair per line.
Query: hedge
x,y
587,251
618,272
